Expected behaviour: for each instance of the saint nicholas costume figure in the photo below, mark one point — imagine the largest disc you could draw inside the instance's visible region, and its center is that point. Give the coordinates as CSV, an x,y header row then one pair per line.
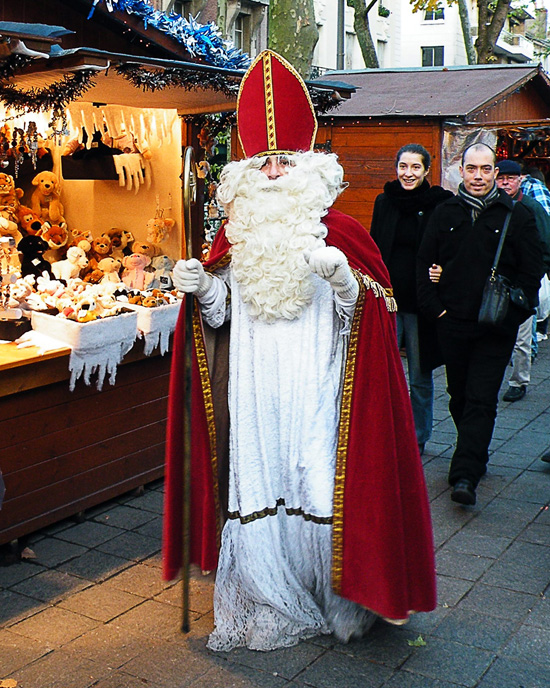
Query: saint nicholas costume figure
x,y
307,489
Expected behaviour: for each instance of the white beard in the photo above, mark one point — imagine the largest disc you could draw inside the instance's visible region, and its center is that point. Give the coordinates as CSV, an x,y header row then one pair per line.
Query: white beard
x,y
271,224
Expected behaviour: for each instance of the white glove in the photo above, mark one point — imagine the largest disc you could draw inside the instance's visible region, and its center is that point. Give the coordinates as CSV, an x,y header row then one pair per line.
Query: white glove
x,y
331,264
189,276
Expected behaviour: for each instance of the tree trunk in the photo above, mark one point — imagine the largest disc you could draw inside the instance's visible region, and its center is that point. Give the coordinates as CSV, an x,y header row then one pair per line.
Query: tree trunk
x,y
467,32
293,32
362,30
489,31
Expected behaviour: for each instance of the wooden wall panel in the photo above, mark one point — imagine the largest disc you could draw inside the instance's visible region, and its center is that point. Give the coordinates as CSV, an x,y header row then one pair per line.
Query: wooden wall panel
x,y
62,452
367,150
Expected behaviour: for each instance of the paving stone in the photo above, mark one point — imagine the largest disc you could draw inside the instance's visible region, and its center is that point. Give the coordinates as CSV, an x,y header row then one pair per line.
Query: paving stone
x,y
153,620
515,576
404,679
241,677
540,613
478,544
51,551
335,670
101,602
119,679
152,500
89,534
200,595
54,625
383,644
141,580
125,517
504,517
56,670
451,590
16,652
286,662
526,442
458,663
423,624
531,645
20,571
153,527
473,628
528,487
131,545
506,604
528,554
14,607
524,675
110,645
50,585
95,566
468,566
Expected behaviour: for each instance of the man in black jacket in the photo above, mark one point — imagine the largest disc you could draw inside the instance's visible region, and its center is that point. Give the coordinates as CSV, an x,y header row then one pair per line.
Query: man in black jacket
x,y
459,247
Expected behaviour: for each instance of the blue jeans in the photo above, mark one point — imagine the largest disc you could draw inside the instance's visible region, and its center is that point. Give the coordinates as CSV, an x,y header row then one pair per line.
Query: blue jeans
x,y
421,386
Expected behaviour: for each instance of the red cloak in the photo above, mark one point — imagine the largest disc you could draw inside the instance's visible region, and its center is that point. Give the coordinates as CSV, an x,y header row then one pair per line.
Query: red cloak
x,y
382,537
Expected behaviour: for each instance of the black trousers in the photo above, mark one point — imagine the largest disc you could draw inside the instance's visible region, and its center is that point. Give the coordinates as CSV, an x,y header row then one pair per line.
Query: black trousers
x,y
475,359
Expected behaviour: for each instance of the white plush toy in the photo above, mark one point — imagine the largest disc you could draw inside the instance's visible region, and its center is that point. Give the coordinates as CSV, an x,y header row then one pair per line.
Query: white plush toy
x,y
72,265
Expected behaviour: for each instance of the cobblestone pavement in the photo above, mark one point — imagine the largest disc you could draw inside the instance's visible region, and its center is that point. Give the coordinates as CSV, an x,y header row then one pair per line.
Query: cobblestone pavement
x,y
91,608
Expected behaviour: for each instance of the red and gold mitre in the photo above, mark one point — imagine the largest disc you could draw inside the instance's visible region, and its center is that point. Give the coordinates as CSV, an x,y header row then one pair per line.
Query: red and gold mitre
x,y
275,115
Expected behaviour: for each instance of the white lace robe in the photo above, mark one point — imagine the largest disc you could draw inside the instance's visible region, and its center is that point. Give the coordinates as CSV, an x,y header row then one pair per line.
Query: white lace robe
x,y
273,581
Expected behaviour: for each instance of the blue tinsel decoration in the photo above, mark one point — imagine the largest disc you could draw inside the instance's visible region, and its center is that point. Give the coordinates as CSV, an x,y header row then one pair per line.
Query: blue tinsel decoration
x,y
201,40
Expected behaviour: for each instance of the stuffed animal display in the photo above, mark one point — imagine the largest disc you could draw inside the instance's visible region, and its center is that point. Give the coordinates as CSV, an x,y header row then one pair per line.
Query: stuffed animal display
x,y
45,199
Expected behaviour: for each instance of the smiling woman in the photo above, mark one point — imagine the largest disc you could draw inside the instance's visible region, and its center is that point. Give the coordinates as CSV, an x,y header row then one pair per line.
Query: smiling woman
x,y
400,215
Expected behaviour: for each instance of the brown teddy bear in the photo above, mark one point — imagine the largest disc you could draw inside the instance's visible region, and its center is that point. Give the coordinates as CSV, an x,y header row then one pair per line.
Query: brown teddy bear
x,y
45,198
29,222
146,248
119,241
158,229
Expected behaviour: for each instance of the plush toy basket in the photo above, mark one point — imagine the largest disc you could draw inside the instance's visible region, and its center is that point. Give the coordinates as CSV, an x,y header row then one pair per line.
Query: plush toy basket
x,y
90,335
97,346
156,325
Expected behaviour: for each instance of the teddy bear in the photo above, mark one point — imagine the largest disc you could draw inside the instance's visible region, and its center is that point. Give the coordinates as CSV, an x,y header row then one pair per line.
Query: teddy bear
x,y
72,265
8,226
162,276
119,242
32,249
101,248
45,198
134,275
55,235
110,267
146,248
9,194
29,222
82,238
158,229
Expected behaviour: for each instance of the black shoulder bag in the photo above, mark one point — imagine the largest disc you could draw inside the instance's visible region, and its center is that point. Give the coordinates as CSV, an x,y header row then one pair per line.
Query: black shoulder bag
x,y
498,291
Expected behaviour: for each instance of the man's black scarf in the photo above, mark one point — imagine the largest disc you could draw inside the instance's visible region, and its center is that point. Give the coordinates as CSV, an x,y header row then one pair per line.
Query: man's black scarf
x,y
478,203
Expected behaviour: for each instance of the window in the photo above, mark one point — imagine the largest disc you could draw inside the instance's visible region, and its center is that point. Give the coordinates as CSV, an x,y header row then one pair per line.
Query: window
x,y
434,15
182,7
241,32
432,56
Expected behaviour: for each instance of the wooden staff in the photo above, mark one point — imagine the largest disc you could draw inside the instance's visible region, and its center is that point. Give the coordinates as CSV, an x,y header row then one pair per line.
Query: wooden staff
x,y
189,198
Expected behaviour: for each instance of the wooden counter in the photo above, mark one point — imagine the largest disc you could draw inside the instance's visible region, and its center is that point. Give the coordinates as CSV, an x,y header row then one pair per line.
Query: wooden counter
x,y
62,452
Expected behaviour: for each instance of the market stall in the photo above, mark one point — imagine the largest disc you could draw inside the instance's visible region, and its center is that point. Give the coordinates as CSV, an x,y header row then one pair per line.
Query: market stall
x,y
91,166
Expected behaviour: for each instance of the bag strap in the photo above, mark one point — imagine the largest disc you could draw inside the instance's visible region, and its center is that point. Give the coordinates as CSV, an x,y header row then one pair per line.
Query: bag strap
x,y
501,242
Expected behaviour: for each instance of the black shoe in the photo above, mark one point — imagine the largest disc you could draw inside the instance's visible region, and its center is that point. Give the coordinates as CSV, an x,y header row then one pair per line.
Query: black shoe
x,y
463,492
421,447
545,457
515,393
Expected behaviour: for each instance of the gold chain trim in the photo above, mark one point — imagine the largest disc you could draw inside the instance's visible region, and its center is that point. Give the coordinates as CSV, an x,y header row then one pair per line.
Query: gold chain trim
x,y
343,438
209,410
269,103
379,291
272,511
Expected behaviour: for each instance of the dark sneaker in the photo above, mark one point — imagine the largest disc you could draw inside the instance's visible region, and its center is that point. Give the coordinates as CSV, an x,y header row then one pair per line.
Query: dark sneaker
x,y
463,492
515,393
545,457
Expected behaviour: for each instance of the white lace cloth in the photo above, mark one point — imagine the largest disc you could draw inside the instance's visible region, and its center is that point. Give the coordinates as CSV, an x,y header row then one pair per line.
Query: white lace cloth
x,y
97,347
273,581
